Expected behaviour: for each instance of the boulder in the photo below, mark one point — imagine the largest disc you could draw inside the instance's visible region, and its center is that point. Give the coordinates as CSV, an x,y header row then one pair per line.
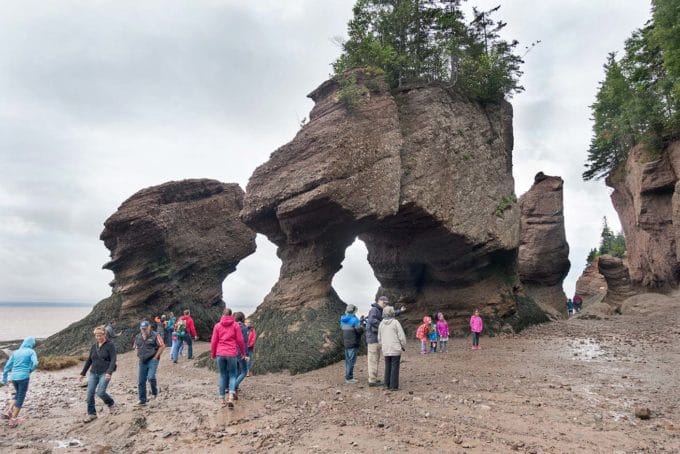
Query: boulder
x,y
596,311
543,256
422,176
171,247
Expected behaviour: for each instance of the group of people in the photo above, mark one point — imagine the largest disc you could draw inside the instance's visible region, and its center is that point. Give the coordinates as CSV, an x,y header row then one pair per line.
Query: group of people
x,y
232,346
574,305
385,335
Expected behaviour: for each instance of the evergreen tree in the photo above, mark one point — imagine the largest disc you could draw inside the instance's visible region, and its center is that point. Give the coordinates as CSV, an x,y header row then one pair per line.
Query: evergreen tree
x,y
428,41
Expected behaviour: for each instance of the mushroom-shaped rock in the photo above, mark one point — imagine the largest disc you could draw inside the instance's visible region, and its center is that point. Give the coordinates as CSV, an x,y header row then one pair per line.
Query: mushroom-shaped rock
x,y
171,247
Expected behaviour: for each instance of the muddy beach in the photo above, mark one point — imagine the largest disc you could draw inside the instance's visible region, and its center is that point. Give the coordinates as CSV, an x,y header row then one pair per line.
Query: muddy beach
x,y
568,386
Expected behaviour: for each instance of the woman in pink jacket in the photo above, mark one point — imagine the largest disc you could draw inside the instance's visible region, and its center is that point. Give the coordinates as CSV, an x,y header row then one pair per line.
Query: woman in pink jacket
x,y
225,344
476,327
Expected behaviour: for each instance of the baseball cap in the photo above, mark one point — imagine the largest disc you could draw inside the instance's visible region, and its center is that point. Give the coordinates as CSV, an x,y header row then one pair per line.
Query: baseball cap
x,y
144,324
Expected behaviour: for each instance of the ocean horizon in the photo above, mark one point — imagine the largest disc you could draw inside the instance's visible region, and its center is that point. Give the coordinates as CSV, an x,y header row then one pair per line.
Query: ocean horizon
x,y
42,319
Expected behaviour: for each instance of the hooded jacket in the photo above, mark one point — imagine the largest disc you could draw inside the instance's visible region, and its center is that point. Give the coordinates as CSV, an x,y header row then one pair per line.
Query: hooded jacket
x,y
423,330
227,338
443,328
22,362
351,330
391,337
102,359
476,324
375,316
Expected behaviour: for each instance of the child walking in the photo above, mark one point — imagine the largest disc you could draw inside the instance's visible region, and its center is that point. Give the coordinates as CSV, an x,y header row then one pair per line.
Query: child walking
x,y
422,333
433,337
250,345
476,327
442,332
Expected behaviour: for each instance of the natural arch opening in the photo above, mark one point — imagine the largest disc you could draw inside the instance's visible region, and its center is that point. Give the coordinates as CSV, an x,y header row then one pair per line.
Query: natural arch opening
x,y
355,283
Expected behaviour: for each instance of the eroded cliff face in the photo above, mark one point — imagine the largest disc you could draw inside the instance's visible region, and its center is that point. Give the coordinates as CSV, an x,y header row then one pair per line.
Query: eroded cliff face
x,y
171,247
423,177
647,201
543,258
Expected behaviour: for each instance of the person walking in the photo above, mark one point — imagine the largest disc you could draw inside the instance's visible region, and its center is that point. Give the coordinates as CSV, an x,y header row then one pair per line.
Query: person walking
x,y
250,345
21,363
352,329
392,341
111,330
102,363
191,332
169,327
149,346
240,319
225,344
476,327
375,316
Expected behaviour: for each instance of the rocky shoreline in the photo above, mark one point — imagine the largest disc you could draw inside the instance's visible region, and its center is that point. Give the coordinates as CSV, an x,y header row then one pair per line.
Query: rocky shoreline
x,y
568,386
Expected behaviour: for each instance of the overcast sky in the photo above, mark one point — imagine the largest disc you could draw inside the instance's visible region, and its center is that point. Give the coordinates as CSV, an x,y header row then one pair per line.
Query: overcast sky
x,y
99,99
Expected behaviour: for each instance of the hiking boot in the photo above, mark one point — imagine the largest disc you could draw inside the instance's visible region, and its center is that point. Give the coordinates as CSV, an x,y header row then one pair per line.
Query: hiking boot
x,y
351,381
230,401
375,384
89,418
141,403
113,409
236,395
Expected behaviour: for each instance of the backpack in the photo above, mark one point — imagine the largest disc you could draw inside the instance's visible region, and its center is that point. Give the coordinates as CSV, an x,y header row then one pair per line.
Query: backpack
x,y
181,327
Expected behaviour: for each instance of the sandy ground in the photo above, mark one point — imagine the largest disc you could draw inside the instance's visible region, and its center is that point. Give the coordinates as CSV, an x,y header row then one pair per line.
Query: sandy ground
x,y
568,386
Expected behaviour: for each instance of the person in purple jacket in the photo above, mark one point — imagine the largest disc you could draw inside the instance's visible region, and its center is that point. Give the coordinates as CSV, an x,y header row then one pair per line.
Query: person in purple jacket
x,y
476,327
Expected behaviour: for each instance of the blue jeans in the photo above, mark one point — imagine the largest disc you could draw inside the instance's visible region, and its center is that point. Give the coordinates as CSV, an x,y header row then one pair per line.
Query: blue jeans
x,y
20,389
251,359
228,367
176,342
97,383
190,342
350,359
147,371
475,339
242,371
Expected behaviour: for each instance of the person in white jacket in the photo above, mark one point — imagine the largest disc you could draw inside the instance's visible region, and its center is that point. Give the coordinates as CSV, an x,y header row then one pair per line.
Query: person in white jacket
x,y
392,341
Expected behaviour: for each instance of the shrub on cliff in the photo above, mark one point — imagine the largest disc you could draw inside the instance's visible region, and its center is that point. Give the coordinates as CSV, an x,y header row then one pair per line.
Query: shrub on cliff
x,y
429,41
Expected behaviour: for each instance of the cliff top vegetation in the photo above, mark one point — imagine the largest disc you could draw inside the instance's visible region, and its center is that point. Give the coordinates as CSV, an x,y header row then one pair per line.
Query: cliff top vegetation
x,y
638,102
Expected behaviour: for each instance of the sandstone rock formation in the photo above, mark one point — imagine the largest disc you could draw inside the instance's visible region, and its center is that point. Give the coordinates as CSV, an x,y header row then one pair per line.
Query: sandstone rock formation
x,y
619,284
171,247
647,303
543,257
647,200
591,285
422,176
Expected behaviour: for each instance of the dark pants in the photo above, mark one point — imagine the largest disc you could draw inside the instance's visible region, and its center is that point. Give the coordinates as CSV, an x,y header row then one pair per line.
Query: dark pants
x,y
20,388
190,342
97,383
475,339
147,371
392,371
350,359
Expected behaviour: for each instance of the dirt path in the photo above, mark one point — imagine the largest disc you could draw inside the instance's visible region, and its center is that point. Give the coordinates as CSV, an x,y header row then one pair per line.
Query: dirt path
x,y
570,386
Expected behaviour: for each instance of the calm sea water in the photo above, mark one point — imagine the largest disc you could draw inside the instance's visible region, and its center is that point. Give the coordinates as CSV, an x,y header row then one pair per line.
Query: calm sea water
x,y
38,319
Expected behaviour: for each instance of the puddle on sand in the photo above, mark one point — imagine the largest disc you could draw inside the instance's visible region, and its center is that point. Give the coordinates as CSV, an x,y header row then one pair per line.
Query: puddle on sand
x,y
585,349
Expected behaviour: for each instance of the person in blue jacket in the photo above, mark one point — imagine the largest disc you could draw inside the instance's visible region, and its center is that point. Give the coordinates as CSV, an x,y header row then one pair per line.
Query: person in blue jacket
x,y
20,364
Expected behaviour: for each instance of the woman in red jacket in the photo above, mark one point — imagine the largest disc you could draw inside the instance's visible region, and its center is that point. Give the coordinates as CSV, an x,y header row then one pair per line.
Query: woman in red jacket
x,y
225,344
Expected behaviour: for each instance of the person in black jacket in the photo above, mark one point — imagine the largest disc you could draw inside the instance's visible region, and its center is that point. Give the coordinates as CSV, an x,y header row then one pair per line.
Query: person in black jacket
x,y
352,329
102,360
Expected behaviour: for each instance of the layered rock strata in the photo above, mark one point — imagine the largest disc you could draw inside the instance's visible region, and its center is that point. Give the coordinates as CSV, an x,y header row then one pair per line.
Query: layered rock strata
x,y
171,247
422,176
619,284
543,256
647,200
